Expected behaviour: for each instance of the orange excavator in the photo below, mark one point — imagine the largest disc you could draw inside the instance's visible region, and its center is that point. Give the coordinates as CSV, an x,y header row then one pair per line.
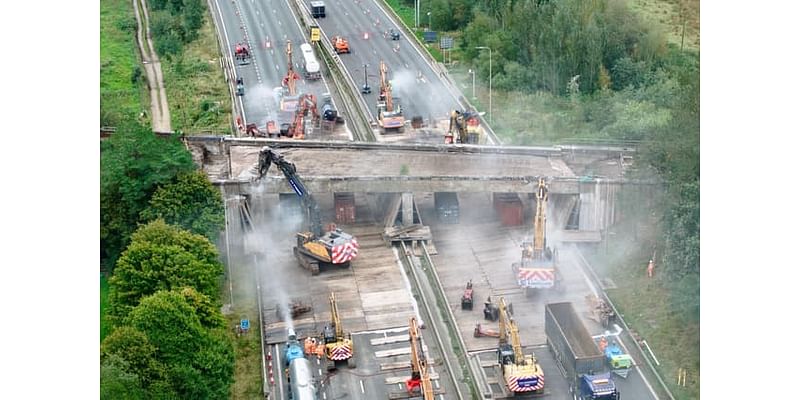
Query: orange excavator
x,y
390,114
420,377
340,45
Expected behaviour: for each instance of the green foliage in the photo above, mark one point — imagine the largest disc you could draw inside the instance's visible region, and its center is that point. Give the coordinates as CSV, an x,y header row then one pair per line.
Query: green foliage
x,y
205,307
192,203
104,328
133,163
120,99
117,383
140,356
175,23
163,257
199,360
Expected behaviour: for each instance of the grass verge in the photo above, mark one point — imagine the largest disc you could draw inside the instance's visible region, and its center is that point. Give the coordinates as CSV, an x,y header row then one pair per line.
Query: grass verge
x,y
199,100
679,20
122,92
247,347
103,304
645,305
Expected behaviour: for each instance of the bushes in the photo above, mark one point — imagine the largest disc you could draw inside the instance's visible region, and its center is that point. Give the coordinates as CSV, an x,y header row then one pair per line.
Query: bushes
x,y
175,23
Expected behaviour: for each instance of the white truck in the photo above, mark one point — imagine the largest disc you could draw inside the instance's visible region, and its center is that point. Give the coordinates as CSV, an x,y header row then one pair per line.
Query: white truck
x,y
310,63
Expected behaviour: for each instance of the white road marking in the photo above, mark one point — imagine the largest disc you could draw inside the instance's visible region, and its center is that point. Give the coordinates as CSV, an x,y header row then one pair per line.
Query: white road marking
x,y
361,382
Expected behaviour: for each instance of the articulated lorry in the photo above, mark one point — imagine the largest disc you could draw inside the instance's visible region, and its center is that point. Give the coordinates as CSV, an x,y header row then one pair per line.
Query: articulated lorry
x,y
579,358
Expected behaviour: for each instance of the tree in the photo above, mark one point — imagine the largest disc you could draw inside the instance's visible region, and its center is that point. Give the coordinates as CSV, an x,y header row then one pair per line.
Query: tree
x,y
199,360
192,203
163,257
116,382
133,347
133,163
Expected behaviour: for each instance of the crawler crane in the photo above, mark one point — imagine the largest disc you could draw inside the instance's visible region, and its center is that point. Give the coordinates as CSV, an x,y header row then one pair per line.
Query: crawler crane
x,y
420,377
390,115
521,372
314,248
338,345
538,267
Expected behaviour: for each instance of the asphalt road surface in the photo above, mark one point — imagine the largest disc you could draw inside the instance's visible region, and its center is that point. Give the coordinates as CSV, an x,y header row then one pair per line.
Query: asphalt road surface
x,y
365,25
265,26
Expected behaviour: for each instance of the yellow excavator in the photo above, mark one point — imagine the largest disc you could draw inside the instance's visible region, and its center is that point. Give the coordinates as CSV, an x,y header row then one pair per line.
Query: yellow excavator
x,y
538,268
338,346
522,372
420,377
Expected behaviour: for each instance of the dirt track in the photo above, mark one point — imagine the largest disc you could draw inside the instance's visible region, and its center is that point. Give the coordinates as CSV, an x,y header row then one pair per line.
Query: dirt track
x,y
159,109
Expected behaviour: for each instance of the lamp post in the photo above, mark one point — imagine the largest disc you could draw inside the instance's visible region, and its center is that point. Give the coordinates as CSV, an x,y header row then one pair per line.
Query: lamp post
x,y
416,14
490,79
472,72
430,28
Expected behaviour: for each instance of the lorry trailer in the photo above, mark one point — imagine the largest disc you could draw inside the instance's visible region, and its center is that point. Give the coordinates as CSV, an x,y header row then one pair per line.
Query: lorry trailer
x,y
580,359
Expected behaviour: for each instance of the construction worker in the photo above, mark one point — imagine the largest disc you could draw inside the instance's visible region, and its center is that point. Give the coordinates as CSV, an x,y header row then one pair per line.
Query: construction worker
x,y
603,344
650,267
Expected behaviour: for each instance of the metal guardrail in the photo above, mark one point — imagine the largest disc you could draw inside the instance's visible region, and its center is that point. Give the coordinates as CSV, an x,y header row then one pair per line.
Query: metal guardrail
x,y
431,316
354,104
596,280
432,61
225,64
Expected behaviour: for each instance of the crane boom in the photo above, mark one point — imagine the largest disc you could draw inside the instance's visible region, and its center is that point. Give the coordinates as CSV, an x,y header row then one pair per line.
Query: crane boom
x,y
539,221
386,87
291,76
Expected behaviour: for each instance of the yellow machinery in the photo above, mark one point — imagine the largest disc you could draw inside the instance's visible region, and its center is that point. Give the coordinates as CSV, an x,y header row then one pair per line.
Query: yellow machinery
x,y
465,128
338,346
390,114
521,372
420,378
538,267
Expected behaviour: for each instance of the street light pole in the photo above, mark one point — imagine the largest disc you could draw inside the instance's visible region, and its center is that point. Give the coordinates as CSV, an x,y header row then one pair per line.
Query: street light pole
x,y
416,14
490,80
430,27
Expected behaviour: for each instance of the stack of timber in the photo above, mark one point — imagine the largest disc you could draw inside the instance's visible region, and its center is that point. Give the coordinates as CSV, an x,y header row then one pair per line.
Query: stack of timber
x,y
407,233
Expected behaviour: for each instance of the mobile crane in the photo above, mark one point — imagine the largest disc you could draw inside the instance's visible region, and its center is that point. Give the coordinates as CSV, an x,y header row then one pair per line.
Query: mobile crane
x,y
314,248
521,372
390,115
420,377
538,267
338,346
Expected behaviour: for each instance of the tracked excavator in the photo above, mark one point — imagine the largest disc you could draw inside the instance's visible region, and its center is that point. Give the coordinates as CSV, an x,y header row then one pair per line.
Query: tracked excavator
x,y
419,384
465,128
538,267
390,113
338,345
314,248
521,372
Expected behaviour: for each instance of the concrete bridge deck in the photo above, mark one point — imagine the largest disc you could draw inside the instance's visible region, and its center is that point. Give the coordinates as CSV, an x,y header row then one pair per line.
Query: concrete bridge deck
x,y
371,167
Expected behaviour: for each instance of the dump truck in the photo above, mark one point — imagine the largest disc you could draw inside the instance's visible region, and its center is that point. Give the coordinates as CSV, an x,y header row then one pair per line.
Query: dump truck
x,y
581,360
318,9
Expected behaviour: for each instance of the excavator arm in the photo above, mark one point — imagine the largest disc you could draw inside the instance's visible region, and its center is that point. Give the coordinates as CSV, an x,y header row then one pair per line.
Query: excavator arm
x,y
509,331
266,158
337,325
420,377
540,221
